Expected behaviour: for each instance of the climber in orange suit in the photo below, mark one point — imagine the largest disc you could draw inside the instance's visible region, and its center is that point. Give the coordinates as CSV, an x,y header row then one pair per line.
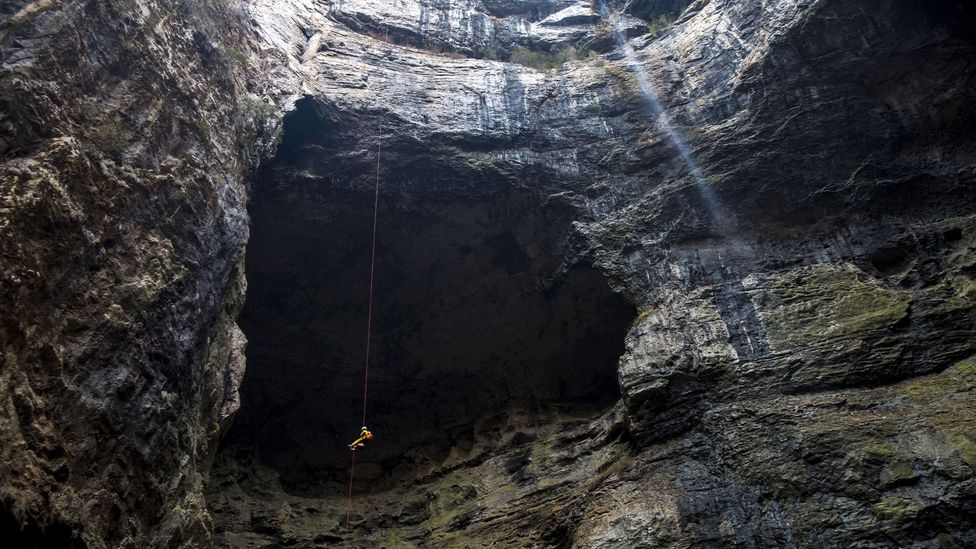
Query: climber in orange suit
x,y
364,435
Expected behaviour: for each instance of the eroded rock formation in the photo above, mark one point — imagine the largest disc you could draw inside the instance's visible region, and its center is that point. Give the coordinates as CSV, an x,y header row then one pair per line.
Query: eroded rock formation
x,y
125,136
583,341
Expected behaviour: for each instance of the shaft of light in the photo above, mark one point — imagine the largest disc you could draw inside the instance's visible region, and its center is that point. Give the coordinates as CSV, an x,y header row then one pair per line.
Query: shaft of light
x,y
675,137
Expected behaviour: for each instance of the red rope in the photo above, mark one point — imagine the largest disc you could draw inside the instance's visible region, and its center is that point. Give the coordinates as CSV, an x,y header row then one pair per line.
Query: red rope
x,y
372,272
369,318
352,468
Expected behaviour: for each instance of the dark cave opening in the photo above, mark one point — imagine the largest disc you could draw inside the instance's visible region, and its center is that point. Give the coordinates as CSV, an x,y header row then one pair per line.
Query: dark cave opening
x,y
473,312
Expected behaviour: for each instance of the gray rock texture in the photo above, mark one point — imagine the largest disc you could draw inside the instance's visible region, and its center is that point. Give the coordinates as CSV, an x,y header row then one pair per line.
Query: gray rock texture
x,y
793,309
123,166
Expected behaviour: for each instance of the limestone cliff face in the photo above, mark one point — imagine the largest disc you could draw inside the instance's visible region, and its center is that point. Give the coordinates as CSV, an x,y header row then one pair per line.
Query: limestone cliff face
x,y
125,138
794,307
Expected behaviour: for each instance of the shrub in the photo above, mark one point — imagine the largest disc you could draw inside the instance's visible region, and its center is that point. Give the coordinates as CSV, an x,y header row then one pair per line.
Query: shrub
x,y
238,56
111,137
545,60
659,25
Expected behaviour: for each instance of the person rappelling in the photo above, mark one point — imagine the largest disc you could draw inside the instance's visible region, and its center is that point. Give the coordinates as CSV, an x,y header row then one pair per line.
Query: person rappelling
x,y
364,435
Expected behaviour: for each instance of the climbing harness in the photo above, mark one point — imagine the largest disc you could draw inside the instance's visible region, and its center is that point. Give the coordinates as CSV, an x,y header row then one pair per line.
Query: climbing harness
x,y
365,434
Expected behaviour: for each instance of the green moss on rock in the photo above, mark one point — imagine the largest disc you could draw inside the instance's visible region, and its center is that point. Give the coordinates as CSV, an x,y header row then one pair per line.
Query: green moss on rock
x,y
899,472
945,399
829,301
897,507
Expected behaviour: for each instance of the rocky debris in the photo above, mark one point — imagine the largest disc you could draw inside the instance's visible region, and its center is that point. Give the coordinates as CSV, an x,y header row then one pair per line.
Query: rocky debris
x,y
520,469
885,466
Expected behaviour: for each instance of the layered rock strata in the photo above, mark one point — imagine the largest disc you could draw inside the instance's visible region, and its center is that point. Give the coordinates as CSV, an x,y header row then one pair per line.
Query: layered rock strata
x,y
799,368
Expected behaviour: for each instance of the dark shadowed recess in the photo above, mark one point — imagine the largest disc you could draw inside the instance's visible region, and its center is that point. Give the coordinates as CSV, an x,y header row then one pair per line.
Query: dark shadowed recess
x,y
31,535
473,313
652,9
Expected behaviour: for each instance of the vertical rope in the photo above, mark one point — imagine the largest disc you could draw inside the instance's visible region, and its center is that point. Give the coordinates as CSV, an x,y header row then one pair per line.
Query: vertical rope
x,y
372,272
352,468
369,315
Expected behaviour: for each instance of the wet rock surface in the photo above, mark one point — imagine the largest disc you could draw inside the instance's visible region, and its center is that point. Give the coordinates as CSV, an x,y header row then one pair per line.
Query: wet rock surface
x,y
797,370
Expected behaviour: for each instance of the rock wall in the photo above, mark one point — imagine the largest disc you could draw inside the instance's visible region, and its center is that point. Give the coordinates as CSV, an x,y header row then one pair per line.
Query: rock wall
x,y
800,286
800,369
126,138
